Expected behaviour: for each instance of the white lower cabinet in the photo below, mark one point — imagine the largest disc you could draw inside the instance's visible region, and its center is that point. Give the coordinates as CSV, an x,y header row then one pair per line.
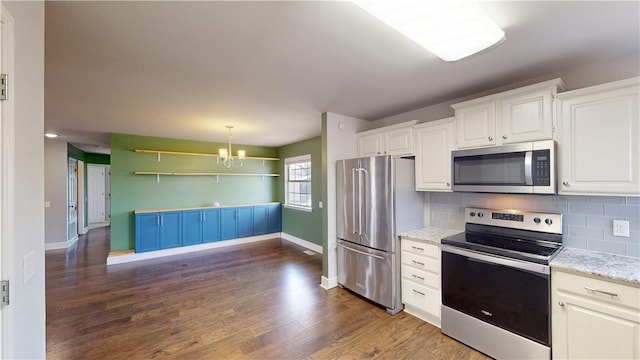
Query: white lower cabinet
x,y
593,318
421,280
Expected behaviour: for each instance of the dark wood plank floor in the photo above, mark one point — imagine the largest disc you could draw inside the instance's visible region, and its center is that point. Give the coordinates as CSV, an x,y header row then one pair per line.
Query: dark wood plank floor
x,y
255,301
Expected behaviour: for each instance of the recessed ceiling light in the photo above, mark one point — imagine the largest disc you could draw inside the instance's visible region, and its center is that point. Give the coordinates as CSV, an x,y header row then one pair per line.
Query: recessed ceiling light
x,y
51,135
452,30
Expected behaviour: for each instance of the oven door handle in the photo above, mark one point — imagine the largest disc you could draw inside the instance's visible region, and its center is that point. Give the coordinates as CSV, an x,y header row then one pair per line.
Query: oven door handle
x,y
497,260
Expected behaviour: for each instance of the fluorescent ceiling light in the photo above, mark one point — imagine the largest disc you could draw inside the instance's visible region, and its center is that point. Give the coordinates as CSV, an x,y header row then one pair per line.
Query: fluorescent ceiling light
x,y
452,30
51,135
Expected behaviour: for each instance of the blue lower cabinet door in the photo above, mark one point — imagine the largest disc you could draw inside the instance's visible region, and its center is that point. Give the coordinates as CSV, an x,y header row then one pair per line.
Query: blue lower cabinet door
x,y
228,223
170,229
211,225
245,221
147,232
275,218
260,219
192,226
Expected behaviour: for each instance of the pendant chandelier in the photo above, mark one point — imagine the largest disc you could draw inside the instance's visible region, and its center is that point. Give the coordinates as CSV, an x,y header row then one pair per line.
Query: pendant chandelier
x,y
226,156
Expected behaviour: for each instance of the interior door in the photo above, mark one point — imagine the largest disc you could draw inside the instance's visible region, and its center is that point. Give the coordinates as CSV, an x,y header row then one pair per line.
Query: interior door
x,y
96,189
72,200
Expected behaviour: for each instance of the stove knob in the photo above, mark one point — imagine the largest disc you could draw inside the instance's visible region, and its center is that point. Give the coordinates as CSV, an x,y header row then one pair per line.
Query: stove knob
x,y
548,221
472,214
480,215
536,220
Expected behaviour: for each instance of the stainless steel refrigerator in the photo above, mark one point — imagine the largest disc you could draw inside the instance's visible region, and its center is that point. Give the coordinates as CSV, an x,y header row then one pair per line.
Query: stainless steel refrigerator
x,y
376,200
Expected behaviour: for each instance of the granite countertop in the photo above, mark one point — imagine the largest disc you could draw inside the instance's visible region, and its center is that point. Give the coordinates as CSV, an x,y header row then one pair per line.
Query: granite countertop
x,y
622,269
429,234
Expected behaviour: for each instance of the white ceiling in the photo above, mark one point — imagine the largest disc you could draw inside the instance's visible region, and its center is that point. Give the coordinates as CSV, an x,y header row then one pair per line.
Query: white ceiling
x,y
186,69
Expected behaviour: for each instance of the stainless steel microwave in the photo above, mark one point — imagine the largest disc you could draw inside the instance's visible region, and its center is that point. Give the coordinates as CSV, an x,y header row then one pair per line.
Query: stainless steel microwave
x,y
524,168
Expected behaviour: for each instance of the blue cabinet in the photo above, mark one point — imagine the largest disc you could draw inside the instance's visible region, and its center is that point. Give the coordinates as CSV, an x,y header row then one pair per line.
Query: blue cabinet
x,y
147,232
192,227
200,226
274,218
169,229
210,225
236,222
267,219
158,230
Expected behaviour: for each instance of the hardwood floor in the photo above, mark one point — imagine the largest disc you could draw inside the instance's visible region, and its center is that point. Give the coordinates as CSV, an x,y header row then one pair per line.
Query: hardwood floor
x,y
255,301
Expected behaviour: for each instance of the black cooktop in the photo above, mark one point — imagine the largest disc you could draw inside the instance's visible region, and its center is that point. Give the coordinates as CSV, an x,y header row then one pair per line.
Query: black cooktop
x,y
517,244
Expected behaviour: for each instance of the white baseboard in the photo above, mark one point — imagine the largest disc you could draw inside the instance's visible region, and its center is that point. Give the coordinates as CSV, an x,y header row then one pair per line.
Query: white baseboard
x,y
56,246
98,225
114,259
304,243
328,283
61,245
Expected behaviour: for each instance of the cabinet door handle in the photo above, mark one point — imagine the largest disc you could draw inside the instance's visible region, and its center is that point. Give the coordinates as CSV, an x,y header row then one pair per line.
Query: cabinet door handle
x,y
565,183
158,220
417,277
418,292
416,248
600,291
561,303
417,262
490,138
504,137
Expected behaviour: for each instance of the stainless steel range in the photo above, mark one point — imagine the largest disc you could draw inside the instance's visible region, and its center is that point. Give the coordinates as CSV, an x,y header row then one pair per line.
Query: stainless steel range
x,y
496,282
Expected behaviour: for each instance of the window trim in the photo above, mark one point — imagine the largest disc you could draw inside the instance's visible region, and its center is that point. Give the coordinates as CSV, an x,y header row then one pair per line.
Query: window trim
x,y
294,160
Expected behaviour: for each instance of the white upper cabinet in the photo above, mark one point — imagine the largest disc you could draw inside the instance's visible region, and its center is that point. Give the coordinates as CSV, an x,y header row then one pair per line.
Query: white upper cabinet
x,y
389,140
434,142
519,115
598,139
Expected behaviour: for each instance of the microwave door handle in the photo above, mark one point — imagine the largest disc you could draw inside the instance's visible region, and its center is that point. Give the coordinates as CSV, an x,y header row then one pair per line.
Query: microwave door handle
x,y
528,168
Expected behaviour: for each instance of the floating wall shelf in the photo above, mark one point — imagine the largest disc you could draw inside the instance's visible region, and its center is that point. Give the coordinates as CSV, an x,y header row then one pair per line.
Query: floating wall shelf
x,y
217,175
158,152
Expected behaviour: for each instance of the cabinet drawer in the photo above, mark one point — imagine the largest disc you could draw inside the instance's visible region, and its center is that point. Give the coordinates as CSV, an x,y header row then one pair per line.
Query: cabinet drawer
x,y
421,248
420,262
421,277
421,297
596,289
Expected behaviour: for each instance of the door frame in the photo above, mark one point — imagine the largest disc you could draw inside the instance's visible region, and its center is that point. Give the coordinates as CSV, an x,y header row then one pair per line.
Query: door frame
x,y
72,192
7,164
80,217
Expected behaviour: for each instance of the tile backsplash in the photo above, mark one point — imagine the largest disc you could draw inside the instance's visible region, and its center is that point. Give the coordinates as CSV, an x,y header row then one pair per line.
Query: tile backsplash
x,y
587,220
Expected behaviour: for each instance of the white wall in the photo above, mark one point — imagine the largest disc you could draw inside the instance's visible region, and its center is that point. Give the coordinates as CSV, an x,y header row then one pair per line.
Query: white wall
x,y
55,193
26,314
340,143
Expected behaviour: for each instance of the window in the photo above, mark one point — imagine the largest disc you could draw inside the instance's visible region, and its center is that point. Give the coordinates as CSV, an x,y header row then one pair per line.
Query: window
x,y
297,172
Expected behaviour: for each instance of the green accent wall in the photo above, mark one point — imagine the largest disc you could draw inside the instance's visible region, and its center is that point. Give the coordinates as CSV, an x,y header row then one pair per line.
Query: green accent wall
x,y
303,224
131,192
101,159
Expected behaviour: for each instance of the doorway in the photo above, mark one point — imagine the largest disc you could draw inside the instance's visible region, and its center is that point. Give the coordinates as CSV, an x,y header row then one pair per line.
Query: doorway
x,y
98,195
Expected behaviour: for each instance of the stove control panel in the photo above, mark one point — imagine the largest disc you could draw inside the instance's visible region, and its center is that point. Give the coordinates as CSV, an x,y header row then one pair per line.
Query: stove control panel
x,y
516,219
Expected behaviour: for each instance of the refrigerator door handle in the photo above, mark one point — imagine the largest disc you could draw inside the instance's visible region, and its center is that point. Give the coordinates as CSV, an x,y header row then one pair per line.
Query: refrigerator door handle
x,y
363,199
361,252
353,200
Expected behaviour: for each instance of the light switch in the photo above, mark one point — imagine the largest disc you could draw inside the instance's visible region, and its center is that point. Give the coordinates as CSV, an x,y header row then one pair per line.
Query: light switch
x,y
47,204
320,204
